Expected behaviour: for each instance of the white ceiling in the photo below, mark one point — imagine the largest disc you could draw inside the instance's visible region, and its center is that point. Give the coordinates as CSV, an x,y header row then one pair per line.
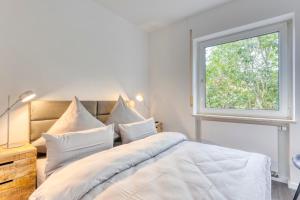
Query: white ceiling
x,y
153,14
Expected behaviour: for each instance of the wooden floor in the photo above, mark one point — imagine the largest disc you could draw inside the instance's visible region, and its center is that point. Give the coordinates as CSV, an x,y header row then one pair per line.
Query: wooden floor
x,y
281,191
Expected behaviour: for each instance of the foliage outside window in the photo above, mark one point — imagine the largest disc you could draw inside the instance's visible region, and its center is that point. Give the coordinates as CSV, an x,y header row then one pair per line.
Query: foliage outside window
x,y
246,73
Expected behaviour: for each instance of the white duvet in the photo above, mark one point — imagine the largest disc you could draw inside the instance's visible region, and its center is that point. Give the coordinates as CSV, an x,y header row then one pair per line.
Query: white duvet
x,y
162,167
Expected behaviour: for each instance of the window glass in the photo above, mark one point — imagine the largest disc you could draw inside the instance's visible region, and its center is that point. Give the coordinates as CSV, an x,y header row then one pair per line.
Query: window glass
x,y
243,74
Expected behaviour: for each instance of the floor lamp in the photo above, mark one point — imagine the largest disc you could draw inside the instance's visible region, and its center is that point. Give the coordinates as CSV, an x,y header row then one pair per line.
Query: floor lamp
x,y
24,97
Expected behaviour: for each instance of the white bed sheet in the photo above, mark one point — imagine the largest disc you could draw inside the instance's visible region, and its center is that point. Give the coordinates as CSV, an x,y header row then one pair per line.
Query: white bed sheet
x,y
40,170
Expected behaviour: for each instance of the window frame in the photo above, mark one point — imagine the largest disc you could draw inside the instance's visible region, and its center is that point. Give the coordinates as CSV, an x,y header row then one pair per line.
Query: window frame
x,y
285,73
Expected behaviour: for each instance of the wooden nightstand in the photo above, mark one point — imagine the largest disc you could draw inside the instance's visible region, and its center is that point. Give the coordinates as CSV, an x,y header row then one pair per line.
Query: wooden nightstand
x,y
159,126
17,172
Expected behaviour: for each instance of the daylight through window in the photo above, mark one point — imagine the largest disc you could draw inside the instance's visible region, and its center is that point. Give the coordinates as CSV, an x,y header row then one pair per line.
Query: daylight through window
x,y
245,74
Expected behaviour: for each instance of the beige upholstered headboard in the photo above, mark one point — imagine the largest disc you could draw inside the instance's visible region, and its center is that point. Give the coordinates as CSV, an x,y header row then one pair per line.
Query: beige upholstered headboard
x,y
43,114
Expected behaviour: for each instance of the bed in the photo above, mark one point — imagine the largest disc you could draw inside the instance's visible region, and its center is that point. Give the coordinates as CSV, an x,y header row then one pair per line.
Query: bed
x,y
162,166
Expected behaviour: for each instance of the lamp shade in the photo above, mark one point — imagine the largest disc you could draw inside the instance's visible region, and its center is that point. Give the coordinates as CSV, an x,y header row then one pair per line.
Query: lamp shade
x,y
139,97
27,96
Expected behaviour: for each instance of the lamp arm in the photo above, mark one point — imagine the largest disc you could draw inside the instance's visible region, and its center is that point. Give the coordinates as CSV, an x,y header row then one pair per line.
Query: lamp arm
x,y
9,108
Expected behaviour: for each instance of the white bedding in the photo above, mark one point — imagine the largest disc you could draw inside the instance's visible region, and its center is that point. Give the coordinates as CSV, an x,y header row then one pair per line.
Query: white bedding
x,y
160,167
40,170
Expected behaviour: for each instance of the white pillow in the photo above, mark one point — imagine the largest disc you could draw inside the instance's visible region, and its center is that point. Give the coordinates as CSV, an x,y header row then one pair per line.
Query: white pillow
x,y
71,146
40,145
138,130
122,114
75,118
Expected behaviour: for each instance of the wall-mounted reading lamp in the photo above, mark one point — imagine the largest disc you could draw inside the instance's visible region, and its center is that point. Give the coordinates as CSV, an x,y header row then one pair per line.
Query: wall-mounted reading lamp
x,y
139,97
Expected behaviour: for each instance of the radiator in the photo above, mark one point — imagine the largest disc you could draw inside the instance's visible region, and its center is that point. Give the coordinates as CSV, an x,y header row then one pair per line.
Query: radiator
x,y
248,137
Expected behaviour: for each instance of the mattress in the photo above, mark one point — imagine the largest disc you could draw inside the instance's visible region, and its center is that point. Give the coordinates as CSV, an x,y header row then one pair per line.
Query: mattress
x,y
40,170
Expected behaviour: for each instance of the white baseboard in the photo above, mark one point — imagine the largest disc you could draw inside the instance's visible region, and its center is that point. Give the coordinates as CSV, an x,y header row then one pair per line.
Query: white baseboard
x,y
292,185
280,179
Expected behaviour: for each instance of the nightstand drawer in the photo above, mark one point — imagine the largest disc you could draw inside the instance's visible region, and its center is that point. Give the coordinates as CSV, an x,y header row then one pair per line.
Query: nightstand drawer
x,y
11,170
17,172
12,155
18,189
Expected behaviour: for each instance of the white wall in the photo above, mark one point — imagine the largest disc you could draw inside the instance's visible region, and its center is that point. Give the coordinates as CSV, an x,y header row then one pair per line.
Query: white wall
x,y
61,48
169,77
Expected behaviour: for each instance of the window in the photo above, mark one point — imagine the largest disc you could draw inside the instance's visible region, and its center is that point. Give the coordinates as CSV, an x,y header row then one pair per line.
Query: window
x,y
245,74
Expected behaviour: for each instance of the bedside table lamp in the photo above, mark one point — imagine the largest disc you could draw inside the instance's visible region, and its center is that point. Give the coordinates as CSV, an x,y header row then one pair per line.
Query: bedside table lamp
x,y
24,97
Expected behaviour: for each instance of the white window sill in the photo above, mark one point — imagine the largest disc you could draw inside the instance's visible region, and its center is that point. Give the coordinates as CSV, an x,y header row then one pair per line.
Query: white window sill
x,y
247,120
